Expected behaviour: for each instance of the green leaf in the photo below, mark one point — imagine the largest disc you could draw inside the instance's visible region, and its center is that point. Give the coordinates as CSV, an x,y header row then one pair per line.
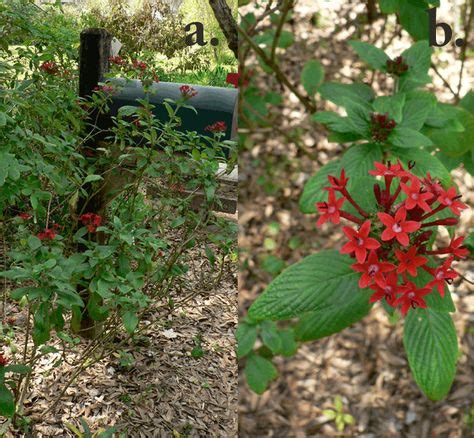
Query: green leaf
x,y
130,321
372,55
342,309
455,143
270,336
359,159
127,110
91,178
313,189
358,117
414,20
339,93
306,286
333,121
393,105
288,343
418,58
408,138
467,102
432,348
418,106
3,119
34,243
329,414
312,76
42,326
259,372
424,162
17,369
246,336
7,404
389,6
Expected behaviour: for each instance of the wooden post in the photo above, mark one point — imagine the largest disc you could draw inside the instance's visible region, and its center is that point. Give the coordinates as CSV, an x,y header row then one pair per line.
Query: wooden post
x,y
93,64
94,55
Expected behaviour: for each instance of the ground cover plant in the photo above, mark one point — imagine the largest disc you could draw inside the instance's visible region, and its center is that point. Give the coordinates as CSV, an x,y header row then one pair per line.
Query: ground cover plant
x,y
80,284
392,144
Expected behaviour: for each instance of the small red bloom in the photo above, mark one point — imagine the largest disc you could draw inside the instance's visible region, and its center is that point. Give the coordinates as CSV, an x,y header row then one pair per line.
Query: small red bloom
x,y
359,241
233,78
187,92
47,234
338,183
24,216
118,60
216,127
50,67
391,170
456,248
412,297
432,185
388,289
449,198
3,360
398,227
139,65
442,274
330,210
372,270
91,221
415,197
409,261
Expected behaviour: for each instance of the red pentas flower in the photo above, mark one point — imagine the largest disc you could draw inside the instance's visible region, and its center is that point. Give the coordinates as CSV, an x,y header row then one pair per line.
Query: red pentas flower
x,y
117,60
441,275
397,66
330,211
415,196
47,234
91,221
409,261
50,67
412,296
359,241
187,92
216,127
25,216
373,270
449,198
140,65
388,289
397,226
381,126
3,360
391,240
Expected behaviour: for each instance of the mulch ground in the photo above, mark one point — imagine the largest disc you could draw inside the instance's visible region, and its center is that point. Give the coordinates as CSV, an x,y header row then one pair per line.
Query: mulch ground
x,y
366,363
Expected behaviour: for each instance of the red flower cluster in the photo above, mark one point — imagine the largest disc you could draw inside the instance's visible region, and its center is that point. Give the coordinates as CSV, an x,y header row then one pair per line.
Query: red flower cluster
x,y
187,92
91,221
381,127
50,67
3,360
117,60
216,127
47,234
25,216
140,65
390,246
397,66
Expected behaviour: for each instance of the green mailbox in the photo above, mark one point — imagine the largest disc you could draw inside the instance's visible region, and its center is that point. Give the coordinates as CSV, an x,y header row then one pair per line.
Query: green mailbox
x,y
213,104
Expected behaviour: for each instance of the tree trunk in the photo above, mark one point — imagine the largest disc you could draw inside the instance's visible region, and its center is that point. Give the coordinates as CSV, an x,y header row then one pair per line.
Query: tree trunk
x,y
227,23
